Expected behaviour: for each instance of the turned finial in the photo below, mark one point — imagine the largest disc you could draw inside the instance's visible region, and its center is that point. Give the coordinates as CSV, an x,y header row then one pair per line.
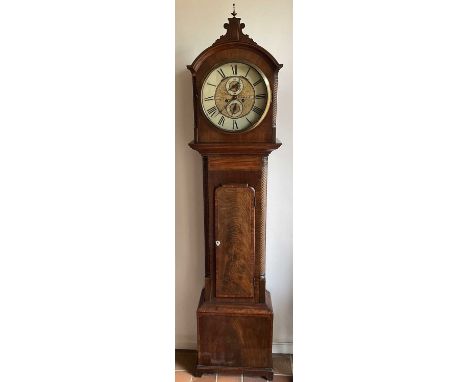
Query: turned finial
x,y
234,10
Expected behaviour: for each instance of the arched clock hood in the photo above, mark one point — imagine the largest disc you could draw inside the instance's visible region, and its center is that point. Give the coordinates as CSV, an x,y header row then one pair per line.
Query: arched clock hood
x,y
234,46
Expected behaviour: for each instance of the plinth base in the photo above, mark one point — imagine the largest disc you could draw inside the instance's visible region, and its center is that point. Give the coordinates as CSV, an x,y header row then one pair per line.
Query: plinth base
x,y
235,338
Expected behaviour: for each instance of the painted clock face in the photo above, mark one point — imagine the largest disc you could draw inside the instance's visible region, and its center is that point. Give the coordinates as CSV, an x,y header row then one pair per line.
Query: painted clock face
x,y
235,96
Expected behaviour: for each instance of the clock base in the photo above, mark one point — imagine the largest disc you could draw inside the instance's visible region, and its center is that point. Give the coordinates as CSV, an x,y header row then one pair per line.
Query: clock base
x,y
235,337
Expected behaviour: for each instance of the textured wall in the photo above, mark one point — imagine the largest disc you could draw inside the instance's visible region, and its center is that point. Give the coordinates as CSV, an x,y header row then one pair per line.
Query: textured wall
x,y
198,24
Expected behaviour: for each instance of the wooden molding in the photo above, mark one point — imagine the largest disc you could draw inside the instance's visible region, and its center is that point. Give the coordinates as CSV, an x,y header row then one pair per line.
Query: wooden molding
x,y
278,347
235,148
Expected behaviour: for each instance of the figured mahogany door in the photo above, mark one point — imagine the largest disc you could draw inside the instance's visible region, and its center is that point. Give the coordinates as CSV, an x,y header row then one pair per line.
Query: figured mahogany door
x,y
235,240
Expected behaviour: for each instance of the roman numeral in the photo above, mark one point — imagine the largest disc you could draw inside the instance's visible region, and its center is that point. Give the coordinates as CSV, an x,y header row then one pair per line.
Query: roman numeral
x,y
210,84
259,96
234,69
256,83
210,98
234,125
248,120
212,111
221,121
220,71
257,110
247,72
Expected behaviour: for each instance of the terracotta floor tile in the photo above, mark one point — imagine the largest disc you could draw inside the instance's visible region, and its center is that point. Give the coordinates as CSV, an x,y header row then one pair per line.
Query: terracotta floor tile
x,y
282,364
206,378
185,360
229,378
182,376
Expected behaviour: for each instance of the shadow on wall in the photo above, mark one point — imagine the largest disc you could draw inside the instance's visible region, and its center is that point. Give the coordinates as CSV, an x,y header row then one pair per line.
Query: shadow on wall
x,y
189,231
183,104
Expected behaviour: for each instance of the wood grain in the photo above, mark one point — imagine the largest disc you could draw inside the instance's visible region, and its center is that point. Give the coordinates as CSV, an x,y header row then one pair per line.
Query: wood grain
x,y
235,230
222,169
239,163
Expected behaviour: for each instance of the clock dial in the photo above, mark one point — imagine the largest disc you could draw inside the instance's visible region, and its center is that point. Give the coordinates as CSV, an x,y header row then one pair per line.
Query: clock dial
x,y
235,96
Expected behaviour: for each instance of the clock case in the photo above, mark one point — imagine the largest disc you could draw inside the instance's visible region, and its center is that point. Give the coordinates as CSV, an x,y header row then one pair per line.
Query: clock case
x,y
235,314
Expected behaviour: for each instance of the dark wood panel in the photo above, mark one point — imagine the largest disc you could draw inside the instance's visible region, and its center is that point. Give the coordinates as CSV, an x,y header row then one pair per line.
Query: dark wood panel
x,y
235,336
239,162
235,231
245,340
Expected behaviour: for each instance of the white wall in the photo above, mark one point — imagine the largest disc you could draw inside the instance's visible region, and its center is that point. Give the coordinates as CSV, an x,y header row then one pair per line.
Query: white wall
x,y
198,24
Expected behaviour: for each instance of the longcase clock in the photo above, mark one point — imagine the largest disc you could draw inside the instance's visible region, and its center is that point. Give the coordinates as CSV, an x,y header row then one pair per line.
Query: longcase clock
x,y
234,101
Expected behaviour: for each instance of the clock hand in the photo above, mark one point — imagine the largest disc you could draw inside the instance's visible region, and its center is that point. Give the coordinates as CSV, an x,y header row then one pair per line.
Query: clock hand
x,y
234,86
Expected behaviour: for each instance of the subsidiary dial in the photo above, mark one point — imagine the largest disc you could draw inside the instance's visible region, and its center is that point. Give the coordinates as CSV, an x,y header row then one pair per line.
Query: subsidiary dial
x,y
234,109
234,85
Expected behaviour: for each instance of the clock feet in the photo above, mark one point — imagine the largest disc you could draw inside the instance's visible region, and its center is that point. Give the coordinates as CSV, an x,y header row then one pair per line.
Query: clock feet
x,y
197,373
265,373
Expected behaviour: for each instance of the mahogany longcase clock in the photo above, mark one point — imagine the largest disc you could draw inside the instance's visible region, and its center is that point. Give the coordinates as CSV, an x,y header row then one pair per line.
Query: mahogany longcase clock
x,y
234,100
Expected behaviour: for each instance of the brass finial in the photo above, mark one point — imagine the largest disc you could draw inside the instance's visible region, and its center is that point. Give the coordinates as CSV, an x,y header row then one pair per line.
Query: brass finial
x,y
234,10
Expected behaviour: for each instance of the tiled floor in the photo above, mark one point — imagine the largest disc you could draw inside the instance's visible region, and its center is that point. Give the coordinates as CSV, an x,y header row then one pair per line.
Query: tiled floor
x,y
185,361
